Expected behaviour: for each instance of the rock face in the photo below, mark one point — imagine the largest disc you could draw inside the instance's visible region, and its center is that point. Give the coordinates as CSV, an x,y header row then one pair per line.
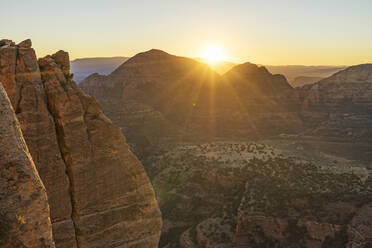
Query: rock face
x,y
24,209
341,105
348,88
99,193
20,75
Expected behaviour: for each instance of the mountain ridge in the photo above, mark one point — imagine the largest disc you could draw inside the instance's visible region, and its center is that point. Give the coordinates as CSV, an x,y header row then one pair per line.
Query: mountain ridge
x,y
290,71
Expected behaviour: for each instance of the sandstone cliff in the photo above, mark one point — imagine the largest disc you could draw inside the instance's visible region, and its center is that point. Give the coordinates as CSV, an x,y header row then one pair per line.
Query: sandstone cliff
x,y
99,193
340,106
24,209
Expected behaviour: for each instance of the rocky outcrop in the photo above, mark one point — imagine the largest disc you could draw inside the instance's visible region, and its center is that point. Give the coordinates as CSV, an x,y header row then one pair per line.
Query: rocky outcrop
x,y
24,209
99,193
20,75
346,89
340,106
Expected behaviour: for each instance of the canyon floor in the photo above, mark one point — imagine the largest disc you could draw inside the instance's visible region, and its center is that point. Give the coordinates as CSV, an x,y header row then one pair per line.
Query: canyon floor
x,y
212,193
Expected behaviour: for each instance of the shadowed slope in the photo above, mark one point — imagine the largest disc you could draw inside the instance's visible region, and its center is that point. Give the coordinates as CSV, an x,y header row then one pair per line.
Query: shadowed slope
x,y
191,98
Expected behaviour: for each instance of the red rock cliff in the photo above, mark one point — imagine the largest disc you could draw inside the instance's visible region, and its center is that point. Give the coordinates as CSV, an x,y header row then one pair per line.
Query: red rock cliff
x,y
24,209
99,193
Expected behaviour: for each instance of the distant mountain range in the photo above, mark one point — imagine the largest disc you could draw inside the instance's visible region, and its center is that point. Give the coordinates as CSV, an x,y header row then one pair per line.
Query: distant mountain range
x,y
297,75
81,68
176,95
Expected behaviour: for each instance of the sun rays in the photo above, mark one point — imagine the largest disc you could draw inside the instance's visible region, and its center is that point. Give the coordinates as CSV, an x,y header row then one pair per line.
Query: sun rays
x,y
213,54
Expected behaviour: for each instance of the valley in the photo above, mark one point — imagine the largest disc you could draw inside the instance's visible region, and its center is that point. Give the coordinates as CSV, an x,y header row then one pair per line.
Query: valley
x,y
255,163
186,124
210,192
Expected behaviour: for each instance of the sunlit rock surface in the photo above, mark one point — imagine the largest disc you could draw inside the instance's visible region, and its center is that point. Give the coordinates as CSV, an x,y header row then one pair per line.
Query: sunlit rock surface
x,y
24,209
99,193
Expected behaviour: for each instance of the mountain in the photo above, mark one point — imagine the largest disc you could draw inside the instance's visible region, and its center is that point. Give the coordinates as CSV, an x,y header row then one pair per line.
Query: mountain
x,y
152,95
297,75
183,98
340,105
234,159
302,80
98,192
256,80
293,71
83,67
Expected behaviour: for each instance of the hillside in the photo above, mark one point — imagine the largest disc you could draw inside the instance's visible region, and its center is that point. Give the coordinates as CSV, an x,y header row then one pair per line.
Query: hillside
x,y
166,96
340,106
303,80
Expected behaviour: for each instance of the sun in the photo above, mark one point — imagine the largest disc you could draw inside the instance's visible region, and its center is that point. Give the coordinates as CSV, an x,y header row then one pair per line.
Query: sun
x,y
212,54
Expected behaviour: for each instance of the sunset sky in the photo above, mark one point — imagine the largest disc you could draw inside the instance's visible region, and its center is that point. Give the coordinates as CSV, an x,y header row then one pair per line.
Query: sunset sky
x,y
317,32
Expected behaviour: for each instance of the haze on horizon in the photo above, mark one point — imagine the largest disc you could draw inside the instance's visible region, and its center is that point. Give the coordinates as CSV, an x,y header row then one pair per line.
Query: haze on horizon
x,y
320,32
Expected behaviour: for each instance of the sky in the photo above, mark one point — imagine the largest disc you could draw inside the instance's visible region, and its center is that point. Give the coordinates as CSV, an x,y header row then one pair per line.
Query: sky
x,y
271,32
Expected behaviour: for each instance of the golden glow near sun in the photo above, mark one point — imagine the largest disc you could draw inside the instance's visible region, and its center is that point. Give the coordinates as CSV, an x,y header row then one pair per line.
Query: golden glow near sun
x,y
212,54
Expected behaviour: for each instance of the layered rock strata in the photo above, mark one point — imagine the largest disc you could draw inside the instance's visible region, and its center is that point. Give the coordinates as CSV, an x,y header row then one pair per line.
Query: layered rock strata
x,y
99,193
24,208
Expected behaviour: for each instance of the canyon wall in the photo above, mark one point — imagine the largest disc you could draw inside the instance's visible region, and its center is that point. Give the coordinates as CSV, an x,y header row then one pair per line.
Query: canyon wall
x,y
98,192
24,209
